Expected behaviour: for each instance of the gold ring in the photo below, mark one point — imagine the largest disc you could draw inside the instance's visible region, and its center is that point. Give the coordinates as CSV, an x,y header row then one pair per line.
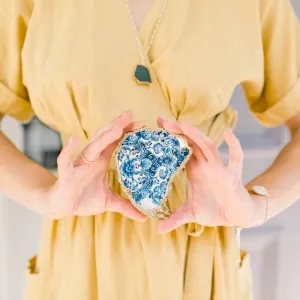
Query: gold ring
x,y
85,160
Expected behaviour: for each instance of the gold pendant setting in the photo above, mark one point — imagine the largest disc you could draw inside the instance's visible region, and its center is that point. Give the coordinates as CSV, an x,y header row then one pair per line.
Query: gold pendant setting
x,y
142,75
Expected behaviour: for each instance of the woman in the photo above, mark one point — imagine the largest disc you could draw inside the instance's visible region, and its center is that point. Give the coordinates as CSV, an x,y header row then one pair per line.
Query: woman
x,y
79,65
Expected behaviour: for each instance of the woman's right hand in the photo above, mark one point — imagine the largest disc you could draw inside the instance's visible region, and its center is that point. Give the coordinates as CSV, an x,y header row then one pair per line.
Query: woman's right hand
x,y
81,188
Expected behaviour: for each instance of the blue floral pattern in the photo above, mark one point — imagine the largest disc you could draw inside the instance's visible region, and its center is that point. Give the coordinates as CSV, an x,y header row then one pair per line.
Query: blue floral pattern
x,y
146,160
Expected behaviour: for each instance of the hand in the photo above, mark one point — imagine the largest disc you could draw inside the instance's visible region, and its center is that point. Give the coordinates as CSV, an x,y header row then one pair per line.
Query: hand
x,y
216,195
81,188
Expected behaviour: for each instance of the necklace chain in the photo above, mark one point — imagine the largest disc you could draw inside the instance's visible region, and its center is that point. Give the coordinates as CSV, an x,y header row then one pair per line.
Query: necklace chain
x,y
144,54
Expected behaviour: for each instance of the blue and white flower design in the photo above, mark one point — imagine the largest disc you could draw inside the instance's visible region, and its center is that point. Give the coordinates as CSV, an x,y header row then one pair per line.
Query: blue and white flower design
x,y
147,160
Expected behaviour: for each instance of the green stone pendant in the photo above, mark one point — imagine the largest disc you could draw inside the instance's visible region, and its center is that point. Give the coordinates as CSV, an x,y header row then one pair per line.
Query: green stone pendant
x,y
142,75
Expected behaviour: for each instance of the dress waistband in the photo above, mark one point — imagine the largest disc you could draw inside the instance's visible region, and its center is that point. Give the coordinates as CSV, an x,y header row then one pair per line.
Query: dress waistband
x,y
213,127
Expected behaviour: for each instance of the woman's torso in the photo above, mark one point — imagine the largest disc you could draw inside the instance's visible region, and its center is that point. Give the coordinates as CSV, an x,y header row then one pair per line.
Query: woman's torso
x,y
79,58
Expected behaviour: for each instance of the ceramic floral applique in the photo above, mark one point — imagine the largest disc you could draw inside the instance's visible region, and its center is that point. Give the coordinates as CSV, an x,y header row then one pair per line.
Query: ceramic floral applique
x,y
147,161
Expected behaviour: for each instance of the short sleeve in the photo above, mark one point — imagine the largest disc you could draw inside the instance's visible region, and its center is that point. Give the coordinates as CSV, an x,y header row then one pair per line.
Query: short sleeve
x,y
277,98
14,17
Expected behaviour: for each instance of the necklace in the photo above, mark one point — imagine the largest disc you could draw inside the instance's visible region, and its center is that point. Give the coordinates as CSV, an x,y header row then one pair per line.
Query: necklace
x,y
142,74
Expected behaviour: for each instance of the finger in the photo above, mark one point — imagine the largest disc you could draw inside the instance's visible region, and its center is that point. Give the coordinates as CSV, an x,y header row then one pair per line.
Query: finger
x,y
169,125
193,168
235,152
93,150
208,147
175,127
197,152
120,205
108,152
65,158
133,126
160,121
123,120
181,216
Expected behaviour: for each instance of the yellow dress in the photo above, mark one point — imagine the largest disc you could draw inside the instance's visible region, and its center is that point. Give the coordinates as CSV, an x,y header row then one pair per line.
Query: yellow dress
x,y
71,63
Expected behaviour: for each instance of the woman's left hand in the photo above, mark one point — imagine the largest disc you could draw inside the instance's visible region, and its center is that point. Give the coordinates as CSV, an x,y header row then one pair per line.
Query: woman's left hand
x,y
216,194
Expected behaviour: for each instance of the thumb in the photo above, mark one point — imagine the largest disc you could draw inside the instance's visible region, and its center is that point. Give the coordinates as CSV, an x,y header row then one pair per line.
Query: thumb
x,y
65,158
123,206
181,216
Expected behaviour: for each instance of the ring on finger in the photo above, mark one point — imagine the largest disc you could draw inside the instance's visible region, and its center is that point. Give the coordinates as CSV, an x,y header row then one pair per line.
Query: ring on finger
x,y
84,159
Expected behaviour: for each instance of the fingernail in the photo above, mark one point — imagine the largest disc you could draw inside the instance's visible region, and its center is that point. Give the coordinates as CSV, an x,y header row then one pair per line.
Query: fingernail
x,y
116,126
128,112
172,122
167,120
124,113
228,131
71,140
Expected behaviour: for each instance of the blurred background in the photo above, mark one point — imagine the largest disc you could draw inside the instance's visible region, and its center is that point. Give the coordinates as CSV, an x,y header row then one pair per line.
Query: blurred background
x,y
274,248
